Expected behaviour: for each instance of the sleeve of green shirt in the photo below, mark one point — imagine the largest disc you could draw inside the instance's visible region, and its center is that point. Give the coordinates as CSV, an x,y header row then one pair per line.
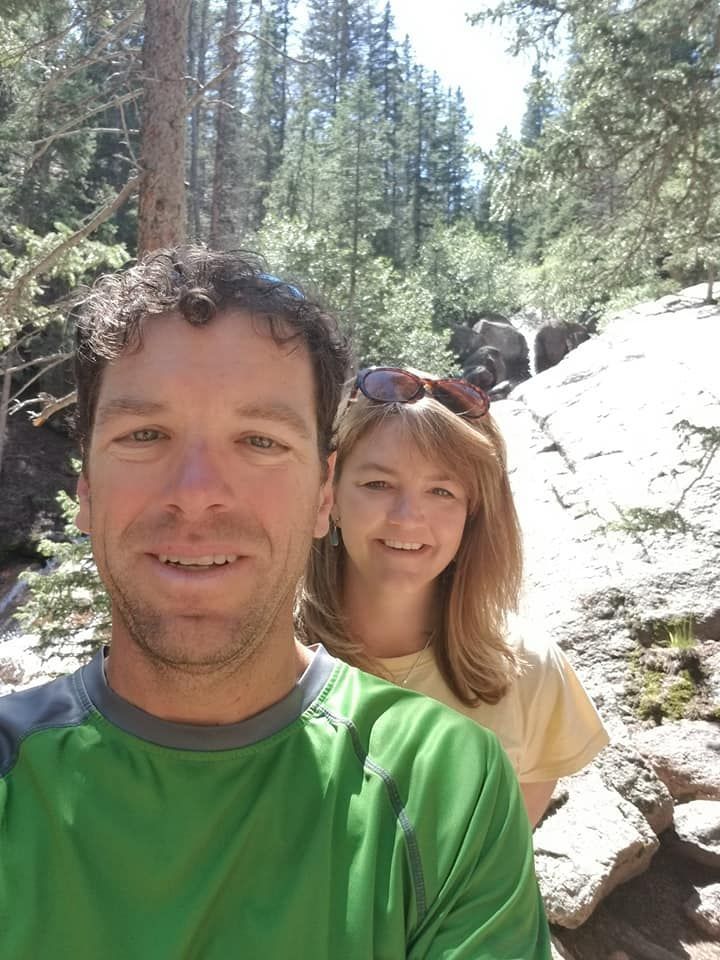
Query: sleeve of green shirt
x,y
488,907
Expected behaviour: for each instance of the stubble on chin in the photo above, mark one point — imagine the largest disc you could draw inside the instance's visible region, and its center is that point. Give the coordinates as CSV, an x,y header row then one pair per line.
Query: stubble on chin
x,y
198,644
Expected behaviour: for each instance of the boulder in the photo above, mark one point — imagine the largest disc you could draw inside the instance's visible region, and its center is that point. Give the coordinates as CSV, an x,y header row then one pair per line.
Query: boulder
x,y
489,368
553,342
686,757
589,845
509,341
697,829
625,770
703,908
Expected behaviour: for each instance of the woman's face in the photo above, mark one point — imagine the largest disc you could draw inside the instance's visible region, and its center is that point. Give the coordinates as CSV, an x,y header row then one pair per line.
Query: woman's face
x,y
401,516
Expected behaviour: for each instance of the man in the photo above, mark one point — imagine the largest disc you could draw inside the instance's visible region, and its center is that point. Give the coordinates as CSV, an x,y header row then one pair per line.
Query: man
x,y
207,788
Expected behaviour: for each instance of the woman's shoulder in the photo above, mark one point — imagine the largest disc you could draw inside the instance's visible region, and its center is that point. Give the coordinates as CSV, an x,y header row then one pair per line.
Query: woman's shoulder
x,y
536,652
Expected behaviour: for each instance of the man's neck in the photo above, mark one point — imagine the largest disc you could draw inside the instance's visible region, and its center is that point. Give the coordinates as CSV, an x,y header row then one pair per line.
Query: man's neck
x,y
209,697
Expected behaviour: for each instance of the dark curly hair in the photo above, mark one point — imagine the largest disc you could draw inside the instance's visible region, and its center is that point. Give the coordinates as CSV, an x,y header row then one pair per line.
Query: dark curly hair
x,y
199,283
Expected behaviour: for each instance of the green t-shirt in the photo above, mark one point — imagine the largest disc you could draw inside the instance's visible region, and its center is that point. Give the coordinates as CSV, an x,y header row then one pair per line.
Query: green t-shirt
x,y
351,819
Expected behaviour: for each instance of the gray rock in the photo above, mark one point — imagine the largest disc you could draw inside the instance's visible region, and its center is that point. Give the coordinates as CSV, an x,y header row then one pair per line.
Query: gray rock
x,y
589,845
554,341
624,769
697,828
703,908
686,757
617,500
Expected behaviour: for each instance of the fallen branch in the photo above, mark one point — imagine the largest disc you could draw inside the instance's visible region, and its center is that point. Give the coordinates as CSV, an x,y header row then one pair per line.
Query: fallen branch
x,y
54,406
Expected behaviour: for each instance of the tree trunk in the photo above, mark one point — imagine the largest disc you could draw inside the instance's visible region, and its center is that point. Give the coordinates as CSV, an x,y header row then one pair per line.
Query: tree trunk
x,y
710,284
162,215
226,173
198,54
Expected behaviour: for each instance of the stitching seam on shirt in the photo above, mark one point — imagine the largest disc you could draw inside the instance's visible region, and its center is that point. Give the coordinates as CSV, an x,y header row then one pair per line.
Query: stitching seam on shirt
x,y
13,757
397,804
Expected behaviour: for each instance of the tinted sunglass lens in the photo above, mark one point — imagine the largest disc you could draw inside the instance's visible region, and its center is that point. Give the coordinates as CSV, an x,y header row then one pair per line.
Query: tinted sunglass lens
x,y
388,386
461,399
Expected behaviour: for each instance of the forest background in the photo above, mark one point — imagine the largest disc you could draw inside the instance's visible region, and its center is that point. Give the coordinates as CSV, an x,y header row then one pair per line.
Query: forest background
x,y
310,134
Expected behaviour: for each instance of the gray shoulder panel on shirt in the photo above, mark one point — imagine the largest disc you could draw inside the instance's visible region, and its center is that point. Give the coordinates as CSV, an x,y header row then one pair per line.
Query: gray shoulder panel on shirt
x,y
60,703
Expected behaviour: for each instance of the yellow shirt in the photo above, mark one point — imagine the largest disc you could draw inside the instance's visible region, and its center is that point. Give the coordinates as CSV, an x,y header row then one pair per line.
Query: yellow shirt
x,y
546,722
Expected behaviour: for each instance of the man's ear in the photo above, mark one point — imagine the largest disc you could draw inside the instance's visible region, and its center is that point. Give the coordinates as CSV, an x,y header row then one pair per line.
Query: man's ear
x,y
325,501
82,521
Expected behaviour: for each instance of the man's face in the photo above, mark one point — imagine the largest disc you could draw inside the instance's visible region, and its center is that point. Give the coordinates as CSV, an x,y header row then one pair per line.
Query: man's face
x,y
203,489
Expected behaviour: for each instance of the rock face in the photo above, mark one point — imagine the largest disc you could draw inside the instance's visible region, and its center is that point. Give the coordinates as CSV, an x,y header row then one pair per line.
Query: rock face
x,y
592,843
686,757
615,463
704,909
697,828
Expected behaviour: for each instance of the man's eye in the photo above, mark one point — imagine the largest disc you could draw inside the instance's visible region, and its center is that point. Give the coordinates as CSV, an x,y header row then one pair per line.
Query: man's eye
x,y
376,484
145,436
262,443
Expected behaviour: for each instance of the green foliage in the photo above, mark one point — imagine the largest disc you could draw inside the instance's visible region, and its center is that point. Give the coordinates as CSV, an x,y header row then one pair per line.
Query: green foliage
x,y
37,302
468,273
389,315
645,519
67,610
612,184
666,700
681,634
667,672
402,333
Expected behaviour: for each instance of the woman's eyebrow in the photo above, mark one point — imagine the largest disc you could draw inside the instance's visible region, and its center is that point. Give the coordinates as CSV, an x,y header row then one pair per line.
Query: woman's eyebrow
x,y
429,478
375,467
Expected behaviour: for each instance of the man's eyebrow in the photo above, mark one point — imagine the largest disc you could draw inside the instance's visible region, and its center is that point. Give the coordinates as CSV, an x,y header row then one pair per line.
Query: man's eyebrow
x,y
127,407
276,412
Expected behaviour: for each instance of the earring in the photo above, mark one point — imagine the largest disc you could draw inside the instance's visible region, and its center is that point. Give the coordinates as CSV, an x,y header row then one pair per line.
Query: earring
x,y
334,534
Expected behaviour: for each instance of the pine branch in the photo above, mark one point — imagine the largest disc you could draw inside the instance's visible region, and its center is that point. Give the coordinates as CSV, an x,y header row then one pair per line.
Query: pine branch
x,y
121,28
71,125
10,301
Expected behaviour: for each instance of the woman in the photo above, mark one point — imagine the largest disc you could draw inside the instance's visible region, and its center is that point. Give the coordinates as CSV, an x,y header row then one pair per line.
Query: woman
x,y
423,565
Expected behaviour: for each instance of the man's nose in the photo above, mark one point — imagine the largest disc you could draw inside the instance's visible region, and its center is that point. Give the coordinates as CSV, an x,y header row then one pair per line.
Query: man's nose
x,y
198,481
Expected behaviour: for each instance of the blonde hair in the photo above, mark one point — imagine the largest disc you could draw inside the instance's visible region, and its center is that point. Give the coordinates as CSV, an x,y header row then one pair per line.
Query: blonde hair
x,y
481,585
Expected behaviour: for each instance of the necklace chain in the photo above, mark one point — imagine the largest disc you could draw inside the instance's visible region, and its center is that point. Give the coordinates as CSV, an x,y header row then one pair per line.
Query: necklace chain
x,y
415,662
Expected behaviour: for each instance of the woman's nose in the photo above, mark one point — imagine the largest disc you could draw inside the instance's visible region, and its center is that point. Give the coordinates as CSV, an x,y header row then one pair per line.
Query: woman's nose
x,y
406,507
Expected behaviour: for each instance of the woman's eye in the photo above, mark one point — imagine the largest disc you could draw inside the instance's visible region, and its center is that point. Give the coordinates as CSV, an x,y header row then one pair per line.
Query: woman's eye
x,y
376,484
443,492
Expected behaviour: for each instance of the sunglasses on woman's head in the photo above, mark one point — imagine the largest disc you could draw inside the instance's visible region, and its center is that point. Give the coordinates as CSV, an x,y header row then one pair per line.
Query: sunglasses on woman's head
x,y
395,385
